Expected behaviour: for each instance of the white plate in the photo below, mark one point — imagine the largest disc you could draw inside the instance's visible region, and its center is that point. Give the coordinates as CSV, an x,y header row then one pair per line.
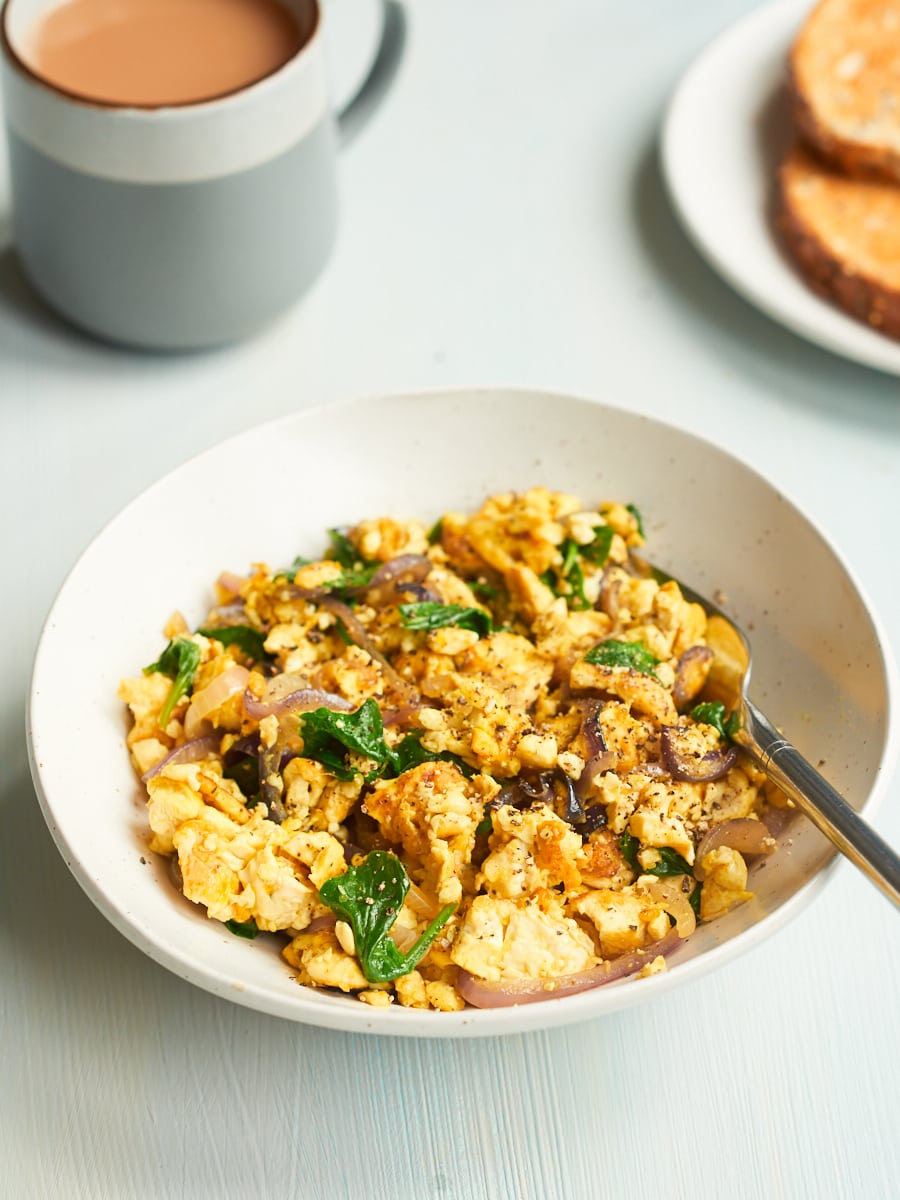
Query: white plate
x,y
820,667
353,33
723,135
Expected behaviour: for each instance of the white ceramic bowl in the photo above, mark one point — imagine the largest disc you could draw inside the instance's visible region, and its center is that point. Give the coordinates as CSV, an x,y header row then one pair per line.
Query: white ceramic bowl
x,y
821,668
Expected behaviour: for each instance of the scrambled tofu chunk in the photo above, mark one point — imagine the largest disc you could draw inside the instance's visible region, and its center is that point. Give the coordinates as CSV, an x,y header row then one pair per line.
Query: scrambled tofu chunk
x,y
530,851
319,961
433,812
625,919
725,884
517,939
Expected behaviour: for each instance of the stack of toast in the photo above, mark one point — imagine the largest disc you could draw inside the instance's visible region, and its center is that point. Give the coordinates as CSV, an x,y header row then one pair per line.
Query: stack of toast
x,y
839,186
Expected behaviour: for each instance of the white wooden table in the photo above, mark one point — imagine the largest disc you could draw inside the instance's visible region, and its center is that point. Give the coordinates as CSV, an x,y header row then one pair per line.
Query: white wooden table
x,y
503,222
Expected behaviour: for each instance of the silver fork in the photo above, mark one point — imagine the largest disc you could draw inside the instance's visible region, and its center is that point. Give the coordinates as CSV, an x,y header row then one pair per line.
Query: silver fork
x,y
729,679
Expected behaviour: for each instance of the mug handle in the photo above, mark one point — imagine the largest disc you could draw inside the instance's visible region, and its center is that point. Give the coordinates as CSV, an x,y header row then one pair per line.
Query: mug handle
x,y
362,97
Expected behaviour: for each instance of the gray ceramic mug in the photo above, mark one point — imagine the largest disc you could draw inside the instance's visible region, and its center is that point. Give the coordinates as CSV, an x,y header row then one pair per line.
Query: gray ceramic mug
x,y
172,228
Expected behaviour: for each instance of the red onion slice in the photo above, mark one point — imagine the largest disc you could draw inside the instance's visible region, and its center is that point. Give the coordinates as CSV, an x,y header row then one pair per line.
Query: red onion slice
x,y
325,921
672,895
301,700
687,766
413,567
483,993
356,633
776,819
690,674
404,714
743,834
232,584
188,752
271,783
610,587
226,615
216,693
600,759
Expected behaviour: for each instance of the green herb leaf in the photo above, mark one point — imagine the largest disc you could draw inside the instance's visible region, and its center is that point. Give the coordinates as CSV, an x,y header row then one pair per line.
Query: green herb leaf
x,y
289,573
484,826
248,640
486,591
571,571
598,550
635,512
629,845
245,929
350,580
328,736
569,551
342,633
712,712
342,549
410,753
436,532
694,899
669,863
245,773
633,655
179,661
429,615
369,897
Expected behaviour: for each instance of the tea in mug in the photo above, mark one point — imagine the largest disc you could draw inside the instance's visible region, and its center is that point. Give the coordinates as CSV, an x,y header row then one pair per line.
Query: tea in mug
x,y
156,53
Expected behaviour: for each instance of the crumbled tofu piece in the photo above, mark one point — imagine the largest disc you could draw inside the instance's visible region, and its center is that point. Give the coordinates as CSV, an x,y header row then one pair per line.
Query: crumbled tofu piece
x,y
516,939
725,884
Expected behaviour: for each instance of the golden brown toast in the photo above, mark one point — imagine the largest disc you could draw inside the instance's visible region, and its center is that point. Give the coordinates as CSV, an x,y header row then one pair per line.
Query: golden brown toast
x,y
844,234
845,84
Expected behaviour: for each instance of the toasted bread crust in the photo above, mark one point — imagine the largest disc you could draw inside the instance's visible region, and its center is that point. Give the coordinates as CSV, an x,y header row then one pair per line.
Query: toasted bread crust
x,y
844,235
844,85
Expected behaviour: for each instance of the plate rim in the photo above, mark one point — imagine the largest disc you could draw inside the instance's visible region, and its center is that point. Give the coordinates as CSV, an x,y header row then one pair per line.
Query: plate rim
x,y
851,340
321,1011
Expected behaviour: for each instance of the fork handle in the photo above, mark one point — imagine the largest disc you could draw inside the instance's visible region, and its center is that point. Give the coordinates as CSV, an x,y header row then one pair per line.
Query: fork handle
x,y
819,801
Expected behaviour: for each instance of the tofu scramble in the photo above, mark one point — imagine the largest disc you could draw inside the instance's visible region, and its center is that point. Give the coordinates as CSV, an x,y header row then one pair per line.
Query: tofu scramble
x,y
470,765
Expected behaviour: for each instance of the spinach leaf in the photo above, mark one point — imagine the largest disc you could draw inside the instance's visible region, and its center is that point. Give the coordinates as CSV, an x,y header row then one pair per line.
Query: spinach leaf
x,y
342,549
429,615
289,573
248,640
633,655
635,512
484,826
411,753
712,712
694,899
436,532
179,661
629,845
598,550
245,929
351,580
327,736
486,591
369,897
669,863
245,773
571,570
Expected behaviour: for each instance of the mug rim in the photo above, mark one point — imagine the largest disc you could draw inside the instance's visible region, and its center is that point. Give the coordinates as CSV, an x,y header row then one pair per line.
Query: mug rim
x,y
16,61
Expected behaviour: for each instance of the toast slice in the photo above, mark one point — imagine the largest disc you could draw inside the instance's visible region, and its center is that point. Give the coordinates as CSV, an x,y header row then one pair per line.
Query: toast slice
x,y
844,234
844,73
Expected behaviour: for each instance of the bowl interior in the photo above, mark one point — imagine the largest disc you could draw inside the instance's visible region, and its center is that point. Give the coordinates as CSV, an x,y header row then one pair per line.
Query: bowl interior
x,y
820,671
